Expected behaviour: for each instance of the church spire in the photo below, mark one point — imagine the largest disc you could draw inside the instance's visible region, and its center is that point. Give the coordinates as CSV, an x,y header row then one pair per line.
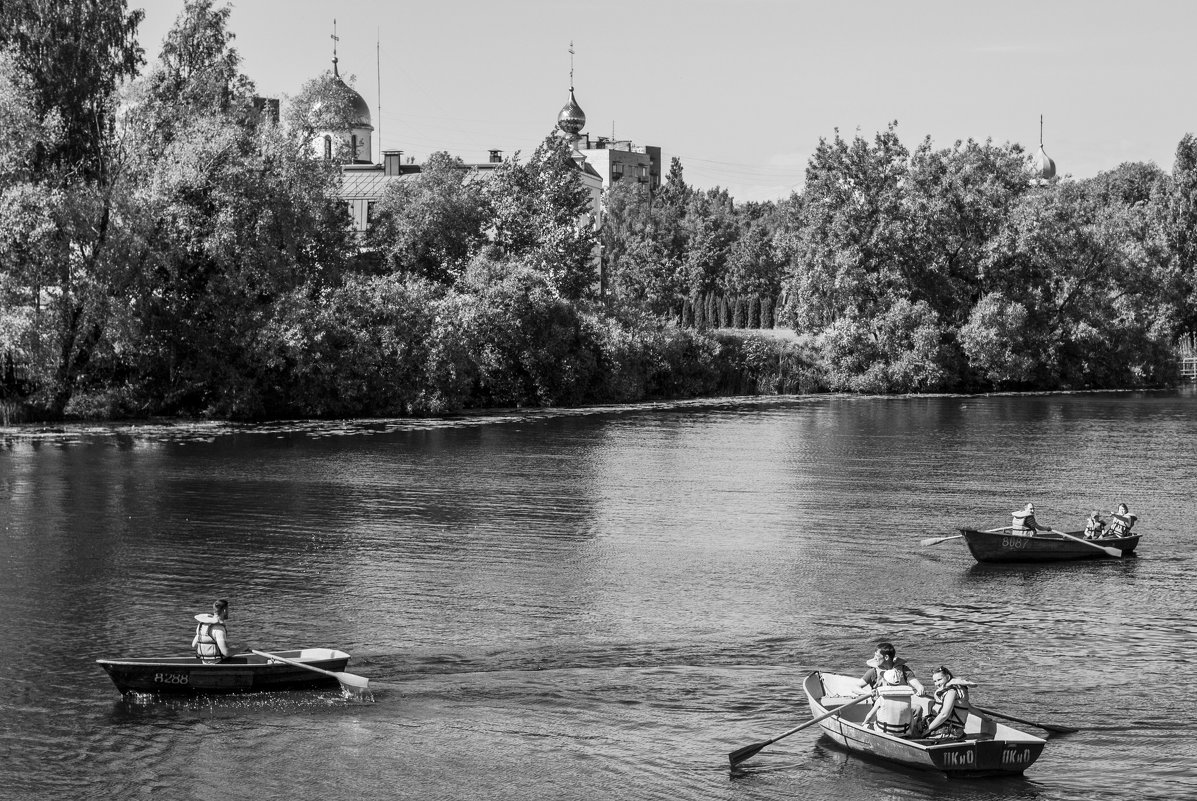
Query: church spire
x,y
1045,168
571,120
335,39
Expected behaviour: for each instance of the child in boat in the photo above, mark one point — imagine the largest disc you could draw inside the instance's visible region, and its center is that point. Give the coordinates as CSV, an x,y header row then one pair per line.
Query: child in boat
x,y
1094,527
892,712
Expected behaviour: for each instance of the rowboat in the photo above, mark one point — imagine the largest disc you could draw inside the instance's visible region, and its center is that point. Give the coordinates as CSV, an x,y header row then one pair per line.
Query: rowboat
x,y
988,748
240,673
1046,546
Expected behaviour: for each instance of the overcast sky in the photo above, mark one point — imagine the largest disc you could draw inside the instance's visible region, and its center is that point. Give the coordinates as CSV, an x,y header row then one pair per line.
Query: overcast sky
x,y
741,90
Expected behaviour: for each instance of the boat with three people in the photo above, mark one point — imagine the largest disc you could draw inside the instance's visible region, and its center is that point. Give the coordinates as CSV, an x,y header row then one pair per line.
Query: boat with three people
x,y
1046,545
987,747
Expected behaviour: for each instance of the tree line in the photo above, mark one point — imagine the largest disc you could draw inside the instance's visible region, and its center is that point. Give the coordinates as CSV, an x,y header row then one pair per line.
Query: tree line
x,y
166,248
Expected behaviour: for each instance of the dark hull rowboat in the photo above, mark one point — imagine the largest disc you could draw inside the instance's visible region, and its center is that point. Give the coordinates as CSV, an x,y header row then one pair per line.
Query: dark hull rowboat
x,y
989,748
240,673
1002,546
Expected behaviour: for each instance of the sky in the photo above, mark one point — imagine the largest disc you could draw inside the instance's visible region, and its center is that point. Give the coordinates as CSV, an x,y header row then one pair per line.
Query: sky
x,y
741,91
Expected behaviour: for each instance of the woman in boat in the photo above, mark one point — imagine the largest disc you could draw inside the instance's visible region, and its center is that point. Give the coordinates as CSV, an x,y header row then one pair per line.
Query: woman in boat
x,y
892,712
1023,523
1120,525
211,641
949,706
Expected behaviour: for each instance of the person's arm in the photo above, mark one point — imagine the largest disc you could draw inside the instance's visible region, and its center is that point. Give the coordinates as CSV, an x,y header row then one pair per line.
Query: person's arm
x,y
872,714
917,685
221,642
945,709
195,639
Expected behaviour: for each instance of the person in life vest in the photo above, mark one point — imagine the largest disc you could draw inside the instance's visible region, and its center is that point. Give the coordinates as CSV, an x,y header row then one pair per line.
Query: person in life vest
x,y
211,641
949,706
1023,523
1095,527
1122,521
885,658
892,712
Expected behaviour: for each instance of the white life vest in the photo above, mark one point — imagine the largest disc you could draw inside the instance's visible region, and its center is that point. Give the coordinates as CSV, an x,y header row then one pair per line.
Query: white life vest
x,y
894,712
1120,526
206,647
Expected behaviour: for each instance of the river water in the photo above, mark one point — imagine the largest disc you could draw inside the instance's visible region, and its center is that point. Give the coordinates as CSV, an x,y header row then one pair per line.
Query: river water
x,y
597,603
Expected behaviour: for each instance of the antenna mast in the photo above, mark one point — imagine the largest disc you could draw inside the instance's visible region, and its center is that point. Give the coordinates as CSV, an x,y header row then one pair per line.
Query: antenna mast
x,y
378,68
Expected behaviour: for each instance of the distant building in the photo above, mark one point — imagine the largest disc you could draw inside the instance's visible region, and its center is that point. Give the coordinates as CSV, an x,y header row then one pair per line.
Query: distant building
x,y
621,160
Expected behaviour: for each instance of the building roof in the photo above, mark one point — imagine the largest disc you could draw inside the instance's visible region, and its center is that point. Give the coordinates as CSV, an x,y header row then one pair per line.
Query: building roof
x,y
368,184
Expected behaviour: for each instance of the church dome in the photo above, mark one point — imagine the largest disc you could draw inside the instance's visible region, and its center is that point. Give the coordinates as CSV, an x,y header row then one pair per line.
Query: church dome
x,y
361,110
1045,168
572,119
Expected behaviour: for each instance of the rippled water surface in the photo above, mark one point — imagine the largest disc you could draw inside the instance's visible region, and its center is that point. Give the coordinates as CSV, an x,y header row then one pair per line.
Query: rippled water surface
x,y
595,604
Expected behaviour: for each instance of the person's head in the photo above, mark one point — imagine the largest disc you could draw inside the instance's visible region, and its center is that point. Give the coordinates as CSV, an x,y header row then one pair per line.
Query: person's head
x,y
941,676
1096,515
1123,509
893,676
220,608
885,653
1030,507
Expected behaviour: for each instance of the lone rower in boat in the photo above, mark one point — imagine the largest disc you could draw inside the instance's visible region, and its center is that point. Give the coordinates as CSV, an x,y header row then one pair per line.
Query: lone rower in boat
x,y
211,641
1023,523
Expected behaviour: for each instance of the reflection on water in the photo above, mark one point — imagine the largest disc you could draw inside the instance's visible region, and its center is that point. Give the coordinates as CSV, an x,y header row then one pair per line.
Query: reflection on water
x,y
593,603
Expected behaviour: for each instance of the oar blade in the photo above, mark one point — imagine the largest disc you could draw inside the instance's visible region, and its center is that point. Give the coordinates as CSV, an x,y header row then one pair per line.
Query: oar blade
x,y
357,685
740,754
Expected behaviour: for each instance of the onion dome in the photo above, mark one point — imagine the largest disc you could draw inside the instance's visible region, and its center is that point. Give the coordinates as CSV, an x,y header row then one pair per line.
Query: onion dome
x,y
1045,168
361,110
572,119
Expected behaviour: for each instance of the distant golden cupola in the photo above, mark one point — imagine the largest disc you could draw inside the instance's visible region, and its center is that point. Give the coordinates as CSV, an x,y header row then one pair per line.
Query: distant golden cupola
x,y
572,119
1045,168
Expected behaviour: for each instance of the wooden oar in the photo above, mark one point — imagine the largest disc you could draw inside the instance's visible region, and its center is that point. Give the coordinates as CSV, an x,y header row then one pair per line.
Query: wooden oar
x,y
353,683
1044,726
739,755
937,540
1110,551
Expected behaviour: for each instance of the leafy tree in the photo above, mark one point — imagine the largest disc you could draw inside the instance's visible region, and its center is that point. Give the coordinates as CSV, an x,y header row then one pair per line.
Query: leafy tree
x,y
844,262
431,223
711,229
196,75
542,217
1177,204
74,54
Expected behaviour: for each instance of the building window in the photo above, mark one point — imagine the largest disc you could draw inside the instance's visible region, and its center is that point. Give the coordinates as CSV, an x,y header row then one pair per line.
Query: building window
x,y
328,147
353,146
616,171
